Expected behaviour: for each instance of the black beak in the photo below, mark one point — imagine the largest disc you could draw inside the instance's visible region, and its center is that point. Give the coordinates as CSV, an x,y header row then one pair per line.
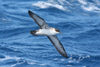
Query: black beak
x,y
57,30
33,32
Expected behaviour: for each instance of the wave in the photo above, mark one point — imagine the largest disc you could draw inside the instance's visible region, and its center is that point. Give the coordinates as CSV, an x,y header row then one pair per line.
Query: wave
x,y
65,5
90,34
14,61
43,5
8,49
82,2
89,6
73,60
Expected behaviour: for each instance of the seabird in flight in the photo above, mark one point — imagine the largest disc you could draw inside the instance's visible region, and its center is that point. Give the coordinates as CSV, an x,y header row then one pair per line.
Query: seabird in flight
x,y
48,31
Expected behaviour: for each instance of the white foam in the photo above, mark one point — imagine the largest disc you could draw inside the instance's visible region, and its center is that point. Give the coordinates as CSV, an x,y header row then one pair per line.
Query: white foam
x,y
61,1
42,64
8,57
62,59
17,63
88,6
71,61
32,62
70,58
43,5
91,8
82,2
55,58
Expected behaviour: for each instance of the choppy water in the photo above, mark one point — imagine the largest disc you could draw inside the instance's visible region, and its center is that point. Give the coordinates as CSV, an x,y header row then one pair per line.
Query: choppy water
x,y
78,20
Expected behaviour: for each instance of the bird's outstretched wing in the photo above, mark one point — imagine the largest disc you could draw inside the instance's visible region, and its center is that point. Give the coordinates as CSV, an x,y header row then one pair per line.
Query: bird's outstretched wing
x,y
58,45
40,21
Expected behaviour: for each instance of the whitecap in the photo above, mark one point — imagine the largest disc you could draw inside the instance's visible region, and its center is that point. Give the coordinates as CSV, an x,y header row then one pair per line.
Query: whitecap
x,y
22,61
8,57
71,58
91,8
63,2
71,61
88,6
55,59
32,63
42,64
82,2
43,5
62,59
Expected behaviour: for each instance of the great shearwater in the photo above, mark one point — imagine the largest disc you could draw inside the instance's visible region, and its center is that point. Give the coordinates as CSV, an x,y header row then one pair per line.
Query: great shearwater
x,y
48,31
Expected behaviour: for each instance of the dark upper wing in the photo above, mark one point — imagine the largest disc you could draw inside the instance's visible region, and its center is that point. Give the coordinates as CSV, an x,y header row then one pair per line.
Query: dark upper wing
x,y
58,45
38,20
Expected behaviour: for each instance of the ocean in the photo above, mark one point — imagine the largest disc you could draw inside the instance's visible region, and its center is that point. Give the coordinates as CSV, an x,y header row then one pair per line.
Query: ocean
x,y
78,21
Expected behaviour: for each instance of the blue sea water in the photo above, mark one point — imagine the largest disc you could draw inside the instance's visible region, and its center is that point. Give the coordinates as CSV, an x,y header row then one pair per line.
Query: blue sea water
x,y
78,21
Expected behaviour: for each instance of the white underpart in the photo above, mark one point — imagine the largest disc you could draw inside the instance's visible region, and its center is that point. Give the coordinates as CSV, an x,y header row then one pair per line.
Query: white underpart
x,y
50,31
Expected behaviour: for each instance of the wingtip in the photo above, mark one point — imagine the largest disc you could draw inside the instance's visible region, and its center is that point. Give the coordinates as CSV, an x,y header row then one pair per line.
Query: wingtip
x,y
65,55
29,12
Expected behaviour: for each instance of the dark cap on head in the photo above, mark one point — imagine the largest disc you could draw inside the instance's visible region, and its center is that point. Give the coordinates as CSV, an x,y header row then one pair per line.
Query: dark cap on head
x,y
33,32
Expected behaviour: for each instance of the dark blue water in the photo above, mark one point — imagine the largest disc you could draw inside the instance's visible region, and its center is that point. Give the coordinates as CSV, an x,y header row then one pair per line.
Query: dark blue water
x,y
78,21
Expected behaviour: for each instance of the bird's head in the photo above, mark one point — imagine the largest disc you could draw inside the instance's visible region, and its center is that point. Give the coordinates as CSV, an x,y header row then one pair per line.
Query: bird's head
x,y
33,32
56,30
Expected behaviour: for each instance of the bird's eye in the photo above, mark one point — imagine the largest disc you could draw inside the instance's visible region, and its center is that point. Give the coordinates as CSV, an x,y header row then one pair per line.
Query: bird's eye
x,y
57,30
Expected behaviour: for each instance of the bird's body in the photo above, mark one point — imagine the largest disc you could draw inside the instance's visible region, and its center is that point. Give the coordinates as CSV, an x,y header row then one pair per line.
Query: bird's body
x,y
50,32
